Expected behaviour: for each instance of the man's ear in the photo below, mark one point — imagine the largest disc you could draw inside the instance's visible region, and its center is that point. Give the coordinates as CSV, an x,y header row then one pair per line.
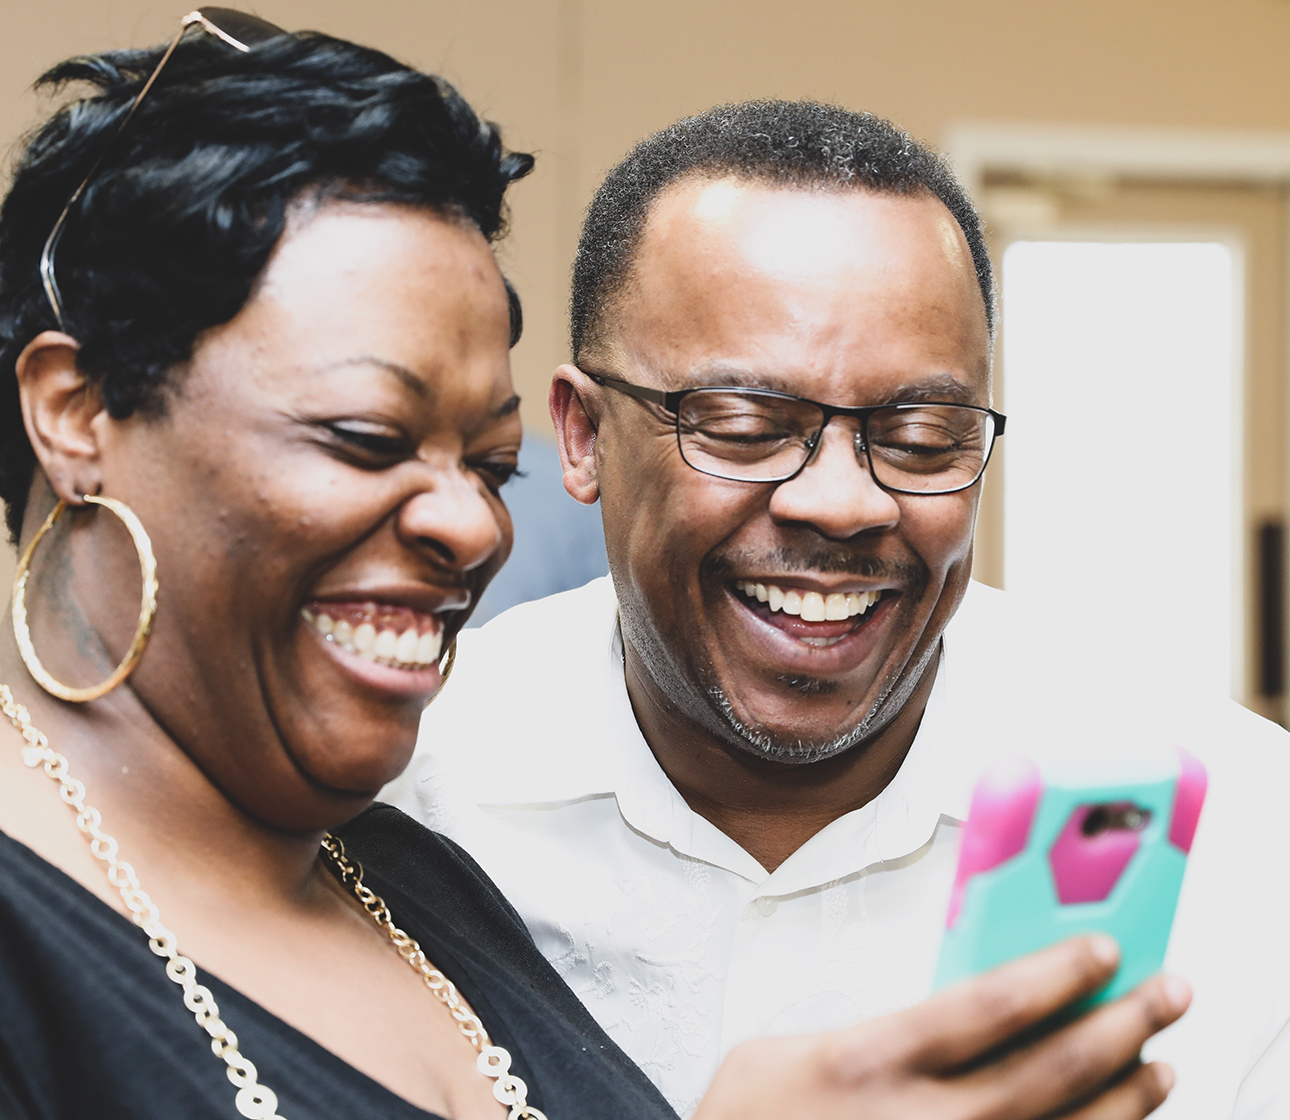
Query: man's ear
x,y
59,406
575,433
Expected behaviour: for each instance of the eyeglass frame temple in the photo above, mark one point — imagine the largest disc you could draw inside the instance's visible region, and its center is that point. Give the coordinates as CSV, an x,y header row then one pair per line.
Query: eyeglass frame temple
x,y
669,401
660,397
47,278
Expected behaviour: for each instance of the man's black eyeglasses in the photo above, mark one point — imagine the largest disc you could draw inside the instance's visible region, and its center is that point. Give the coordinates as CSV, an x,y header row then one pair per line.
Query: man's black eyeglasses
x,y
237,30
759,435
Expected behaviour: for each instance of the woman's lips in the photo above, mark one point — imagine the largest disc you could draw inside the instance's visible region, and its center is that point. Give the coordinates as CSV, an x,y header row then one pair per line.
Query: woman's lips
x,y
391,635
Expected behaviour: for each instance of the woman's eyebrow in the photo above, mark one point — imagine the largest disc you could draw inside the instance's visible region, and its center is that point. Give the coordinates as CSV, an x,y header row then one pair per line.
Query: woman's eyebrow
x,y
408,378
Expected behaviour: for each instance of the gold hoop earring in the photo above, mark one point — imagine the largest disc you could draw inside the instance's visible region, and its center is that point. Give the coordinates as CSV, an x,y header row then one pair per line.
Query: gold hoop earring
x,y
147,606
445,671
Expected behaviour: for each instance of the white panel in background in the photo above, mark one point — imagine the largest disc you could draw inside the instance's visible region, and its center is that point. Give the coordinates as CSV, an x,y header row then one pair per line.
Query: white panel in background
x,y
1121,478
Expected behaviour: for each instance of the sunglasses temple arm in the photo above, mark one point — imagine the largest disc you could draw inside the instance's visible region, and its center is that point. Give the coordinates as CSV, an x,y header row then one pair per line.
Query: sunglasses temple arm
x,y
47,277
212,29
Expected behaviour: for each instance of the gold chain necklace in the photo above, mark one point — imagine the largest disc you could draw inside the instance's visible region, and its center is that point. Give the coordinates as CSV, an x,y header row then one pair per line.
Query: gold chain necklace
x,y
253,1100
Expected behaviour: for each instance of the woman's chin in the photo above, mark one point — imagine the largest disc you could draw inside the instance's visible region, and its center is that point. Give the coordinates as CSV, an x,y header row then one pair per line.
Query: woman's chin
x,y
335,779
343,748
350,751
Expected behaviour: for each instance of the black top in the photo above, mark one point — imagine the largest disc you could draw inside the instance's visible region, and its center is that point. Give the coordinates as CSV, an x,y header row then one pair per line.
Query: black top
x,y
90,1026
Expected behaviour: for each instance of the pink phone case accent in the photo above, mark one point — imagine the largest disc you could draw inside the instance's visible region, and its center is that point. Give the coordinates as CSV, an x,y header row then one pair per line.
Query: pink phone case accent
x,y
1072,846
1188,798
1086,868
1005,802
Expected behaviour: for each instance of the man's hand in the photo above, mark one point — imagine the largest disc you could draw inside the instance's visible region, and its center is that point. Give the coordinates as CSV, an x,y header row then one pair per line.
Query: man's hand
x,y
966,1053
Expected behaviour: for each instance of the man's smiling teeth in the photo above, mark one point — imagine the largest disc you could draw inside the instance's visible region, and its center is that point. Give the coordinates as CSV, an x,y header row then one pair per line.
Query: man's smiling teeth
x,y
406,650
810,606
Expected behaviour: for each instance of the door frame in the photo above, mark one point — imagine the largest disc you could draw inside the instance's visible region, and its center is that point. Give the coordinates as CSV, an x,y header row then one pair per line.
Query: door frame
x,y
978,149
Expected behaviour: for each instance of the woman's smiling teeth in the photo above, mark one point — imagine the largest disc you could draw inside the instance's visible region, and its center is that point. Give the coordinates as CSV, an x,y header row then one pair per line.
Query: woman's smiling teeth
x,y
811,606
397,637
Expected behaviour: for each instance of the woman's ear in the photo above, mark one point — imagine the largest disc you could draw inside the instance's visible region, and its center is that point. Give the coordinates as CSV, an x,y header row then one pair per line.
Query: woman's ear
x,y
59,407
575,432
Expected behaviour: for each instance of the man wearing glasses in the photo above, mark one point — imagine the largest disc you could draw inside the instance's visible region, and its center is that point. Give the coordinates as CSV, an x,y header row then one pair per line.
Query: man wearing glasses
x,y
725,787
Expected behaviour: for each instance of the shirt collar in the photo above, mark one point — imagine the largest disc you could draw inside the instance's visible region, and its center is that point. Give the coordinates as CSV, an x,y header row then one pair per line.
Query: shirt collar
x,y
595,743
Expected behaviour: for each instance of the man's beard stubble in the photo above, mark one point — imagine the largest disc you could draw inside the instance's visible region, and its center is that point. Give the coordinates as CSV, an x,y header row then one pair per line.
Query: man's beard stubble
x,y
762,743
717,714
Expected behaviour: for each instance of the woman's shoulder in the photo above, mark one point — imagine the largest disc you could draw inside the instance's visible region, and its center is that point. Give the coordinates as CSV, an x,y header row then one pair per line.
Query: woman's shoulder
x,y
439,894
428,866
92,1027
466,927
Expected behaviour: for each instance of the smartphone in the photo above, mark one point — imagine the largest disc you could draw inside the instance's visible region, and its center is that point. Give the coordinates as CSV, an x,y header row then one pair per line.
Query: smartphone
x,y
1057,849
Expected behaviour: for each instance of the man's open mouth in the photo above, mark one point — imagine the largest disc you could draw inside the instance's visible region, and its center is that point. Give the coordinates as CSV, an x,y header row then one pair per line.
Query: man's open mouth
x,y
833,616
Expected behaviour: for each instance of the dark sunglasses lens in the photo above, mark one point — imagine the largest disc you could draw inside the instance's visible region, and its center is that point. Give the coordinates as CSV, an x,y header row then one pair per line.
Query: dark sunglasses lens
x,y
250,30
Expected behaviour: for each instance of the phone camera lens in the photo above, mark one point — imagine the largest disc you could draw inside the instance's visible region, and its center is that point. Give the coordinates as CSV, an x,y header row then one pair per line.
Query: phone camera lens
x,y
1115,818
1097,822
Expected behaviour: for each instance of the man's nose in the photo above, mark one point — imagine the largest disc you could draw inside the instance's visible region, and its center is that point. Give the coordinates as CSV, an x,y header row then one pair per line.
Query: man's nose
x,y
835,493
454,520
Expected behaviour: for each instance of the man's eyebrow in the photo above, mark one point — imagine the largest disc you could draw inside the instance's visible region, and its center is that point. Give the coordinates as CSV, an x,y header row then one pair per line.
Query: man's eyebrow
x,y
408,378
943,388
740,377
507,406
940,387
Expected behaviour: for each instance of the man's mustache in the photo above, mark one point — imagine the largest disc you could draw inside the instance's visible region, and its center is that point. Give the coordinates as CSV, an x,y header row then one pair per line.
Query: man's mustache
x,y
824,560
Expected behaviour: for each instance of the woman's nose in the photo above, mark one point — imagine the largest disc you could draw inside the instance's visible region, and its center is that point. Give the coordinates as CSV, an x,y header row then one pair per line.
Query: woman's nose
x,y
454,520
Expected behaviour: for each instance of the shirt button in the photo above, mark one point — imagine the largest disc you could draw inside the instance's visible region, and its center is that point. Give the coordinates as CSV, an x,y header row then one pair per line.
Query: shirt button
x,y
766,906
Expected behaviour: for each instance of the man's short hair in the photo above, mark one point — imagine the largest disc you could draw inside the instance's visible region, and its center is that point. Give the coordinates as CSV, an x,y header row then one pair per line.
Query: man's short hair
x,y
795,144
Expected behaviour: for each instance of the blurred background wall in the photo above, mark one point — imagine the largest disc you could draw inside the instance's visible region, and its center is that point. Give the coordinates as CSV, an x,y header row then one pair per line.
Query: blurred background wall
x,y
578,81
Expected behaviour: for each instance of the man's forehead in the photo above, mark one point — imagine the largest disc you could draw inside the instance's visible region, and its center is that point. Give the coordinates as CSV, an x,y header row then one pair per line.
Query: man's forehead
x,y
750,281
794,233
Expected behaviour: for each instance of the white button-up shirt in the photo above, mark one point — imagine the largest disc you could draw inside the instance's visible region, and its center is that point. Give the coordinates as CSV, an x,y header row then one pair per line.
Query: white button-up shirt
x,y
682,945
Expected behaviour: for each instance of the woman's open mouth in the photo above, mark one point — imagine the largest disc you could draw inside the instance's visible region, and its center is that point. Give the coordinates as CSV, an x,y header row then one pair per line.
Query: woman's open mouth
x,y
817,619
394,636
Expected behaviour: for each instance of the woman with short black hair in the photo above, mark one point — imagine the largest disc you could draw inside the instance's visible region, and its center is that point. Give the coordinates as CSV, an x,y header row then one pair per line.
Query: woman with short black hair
x,y
263,355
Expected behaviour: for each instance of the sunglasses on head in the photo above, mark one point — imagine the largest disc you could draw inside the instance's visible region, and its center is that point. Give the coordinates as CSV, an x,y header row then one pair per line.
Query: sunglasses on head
x,y
236,29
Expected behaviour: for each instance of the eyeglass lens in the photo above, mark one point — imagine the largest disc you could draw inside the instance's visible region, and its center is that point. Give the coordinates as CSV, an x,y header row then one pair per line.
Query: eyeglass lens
x,y
762,437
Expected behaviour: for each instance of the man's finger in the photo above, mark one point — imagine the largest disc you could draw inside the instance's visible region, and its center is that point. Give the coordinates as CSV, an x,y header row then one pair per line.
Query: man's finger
x,y
1138,1095
1080,1061
978,1015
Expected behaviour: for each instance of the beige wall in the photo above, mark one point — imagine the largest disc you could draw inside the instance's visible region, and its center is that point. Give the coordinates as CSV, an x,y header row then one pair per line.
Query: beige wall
x,y
577,81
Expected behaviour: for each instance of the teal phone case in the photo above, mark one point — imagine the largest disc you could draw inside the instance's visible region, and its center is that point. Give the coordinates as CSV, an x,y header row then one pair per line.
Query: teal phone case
x,y
1037,867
